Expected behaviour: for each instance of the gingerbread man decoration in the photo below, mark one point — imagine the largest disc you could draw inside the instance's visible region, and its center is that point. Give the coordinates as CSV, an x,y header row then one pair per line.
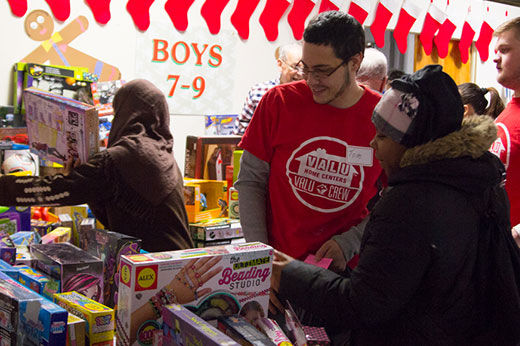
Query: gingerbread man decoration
x,y
55,48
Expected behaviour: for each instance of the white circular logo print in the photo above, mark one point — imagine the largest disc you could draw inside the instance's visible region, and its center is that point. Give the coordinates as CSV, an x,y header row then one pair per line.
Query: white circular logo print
x,y
326,174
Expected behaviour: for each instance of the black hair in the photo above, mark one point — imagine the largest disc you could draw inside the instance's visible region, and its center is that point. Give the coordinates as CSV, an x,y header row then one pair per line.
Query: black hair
x,y
474,95
395,74
339,30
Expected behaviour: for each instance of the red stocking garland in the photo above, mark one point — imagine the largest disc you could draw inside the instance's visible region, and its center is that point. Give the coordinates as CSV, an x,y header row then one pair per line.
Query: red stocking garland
x,y
140,12
466,39
433,20
407,17
442,40
328,5
18,7
483,41
384,12
359,9
270,17
60,9
211,11
299,13
100,9
240,18
178,12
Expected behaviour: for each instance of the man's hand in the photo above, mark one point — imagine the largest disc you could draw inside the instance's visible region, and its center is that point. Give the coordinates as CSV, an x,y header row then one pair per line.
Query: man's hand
x,y
279,262
516,234
331,249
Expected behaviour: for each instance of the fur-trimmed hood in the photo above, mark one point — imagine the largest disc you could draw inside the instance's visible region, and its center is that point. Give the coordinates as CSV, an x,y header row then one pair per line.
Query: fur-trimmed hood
x,y
460,159
475,137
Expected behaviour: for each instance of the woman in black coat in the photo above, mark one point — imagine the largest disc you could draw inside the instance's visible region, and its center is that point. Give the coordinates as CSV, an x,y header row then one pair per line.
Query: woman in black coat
x,y
432,251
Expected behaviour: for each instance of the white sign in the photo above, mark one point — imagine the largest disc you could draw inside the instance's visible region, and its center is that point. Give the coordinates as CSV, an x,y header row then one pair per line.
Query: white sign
x,y
194,69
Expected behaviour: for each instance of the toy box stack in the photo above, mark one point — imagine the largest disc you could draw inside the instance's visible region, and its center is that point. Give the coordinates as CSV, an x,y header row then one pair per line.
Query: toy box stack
x,y
224,281
27,318
99,318
76,269
109,246
60,127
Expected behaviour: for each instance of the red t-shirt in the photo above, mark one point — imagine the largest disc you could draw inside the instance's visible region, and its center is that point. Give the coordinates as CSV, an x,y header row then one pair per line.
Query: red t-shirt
x,y
507,147
322,169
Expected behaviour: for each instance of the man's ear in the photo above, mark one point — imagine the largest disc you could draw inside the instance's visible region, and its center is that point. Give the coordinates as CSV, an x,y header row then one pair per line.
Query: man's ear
x,y
279,63
356,61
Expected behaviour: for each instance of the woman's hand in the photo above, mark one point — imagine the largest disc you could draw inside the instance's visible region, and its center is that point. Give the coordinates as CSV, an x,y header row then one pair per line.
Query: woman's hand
x,y
187,284
70,165
279,262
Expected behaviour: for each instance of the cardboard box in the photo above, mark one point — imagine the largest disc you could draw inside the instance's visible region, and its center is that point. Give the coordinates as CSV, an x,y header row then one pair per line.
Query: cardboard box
x,y
76,269
21,215
37,281
29,319
57,235
208,156
202,243
99,318
76,213
243,332
76,330
109,246
103,95
233,209
25,238
60,127
205,199
8,269
241,279
23,256
7,249
220,125
183,327
216,229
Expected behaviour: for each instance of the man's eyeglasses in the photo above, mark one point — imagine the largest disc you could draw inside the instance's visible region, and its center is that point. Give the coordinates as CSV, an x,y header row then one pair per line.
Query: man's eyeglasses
x,y
295,67
320,74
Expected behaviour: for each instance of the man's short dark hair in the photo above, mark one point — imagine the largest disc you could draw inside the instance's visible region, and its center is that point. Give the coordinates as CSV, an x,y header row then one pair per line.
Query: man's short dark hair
x,y
339,30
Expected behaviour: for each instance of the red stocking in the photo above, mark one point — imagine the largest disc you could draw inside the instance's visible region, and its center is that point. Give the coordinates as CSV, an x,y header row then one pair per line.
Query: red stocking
x,y
100,9
466,39
442,40
240,18
18,7
359,10
211,11
328,5
178,12
140,12
407,17
384,12
299,13
483,41
270,17
60,9
432,22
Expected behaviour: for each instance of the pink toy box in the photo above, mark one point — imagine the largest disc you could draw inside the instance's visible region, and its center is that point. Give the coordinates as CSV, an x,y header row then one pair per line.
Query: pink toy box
x,y
60,127
211,282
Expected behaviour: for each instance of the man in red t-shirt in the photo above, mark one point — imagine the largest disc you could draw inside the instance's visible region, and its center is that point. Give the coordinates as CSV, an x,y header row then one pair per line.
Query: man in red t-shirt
x,y
507,146
308,170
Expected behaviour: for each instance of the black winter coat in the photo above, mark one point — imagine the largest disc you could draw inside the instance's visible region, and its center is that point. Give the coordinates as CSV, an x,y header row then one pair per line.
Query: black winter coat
x,y
415,283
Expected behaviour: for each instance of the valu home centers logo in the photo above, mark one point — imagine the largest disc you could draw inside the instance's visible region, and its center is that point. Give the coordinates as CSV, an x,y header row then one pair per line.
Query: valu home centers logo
x,y
326,174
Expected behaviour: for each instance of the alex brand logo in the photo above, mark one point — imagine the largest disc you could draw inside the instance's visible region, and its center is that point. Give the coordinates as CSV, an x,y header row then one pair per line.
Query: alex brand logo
x,y
125,274
146,278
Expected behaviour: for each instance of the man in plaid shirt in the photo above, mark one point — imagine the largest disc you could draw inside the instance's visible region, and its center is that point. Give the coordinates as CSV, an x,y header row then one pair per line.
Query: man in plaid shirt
x,y
287,59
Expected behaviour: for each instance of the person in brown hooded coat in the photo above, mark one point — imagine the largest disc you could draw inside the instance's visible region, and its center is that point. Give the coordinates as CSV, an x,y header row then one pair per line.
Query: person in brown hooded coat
x,y
133,187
